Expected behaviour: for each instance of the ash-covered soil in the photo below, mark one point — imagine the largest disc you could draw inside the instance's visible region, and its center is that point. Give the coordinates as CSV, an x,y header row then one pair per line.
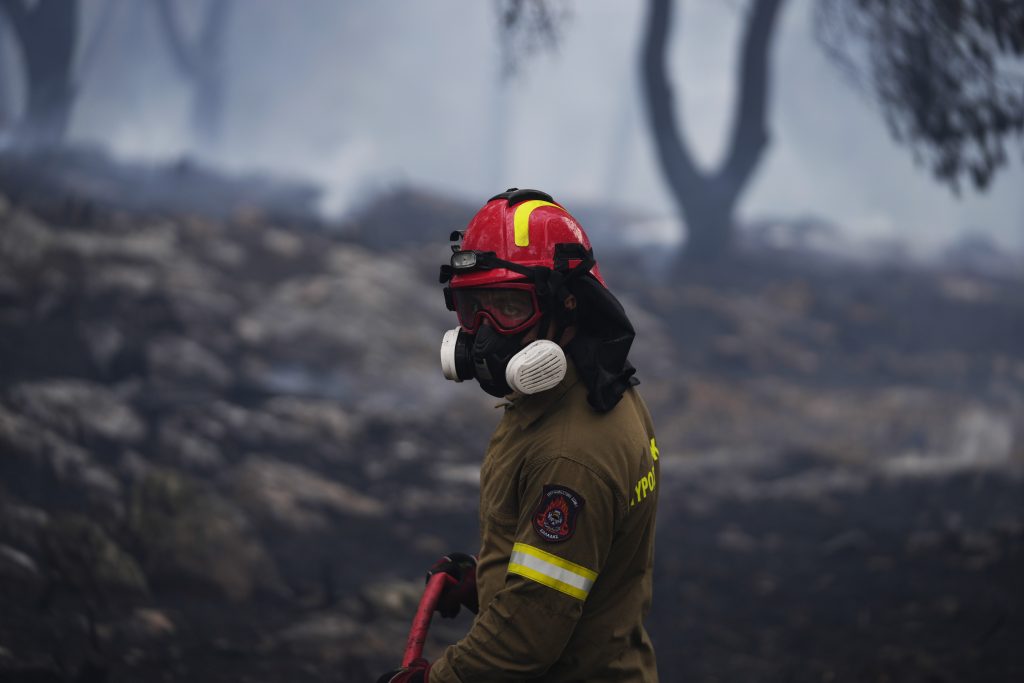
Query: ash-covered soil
x,y
227,453
800,571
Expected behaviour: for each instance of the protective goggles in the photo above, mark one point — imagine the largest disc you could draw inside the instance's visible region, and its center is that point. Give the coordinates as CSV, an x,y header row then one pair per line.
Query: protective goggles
x,y
510,308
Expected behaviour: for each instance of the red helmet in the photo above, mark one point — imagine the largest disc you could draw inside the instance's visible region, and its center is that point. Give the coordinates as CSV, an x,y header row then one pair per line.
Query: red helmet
x,y
514,258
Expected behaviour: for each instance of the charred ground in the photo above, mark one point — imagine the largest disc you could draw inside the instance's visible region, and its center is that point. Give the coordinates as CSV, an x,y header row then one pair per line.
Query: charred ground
x,y
228,454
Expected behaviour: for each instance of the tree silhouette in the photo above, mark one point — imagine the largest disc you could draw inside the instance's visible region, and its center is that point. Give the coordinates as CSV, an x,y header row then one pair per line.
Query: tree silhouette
x,y
707,200
947,75
46,34
56,55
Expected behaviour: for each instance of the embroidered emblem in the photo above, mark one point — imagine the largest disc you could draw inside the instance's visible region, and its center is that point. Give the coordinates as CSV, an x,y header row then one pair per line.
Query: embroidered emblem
x,y
554,520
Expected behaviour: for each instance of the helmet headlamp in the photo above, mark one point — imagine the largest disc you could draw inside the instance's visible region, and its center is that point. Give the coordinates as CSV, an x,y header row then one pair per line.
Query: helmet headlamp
x,y
464,260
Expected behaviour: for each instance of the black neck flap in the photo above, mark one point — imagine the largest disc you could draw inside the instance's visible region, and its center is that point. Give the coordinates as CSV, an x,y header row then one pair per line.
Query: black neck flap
x,y
600,348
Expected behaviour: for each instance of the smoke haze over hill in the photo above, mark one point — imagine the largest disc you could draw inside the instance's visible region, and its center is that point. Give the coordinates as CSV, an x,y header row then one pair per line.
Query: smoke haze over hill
x,y
363,96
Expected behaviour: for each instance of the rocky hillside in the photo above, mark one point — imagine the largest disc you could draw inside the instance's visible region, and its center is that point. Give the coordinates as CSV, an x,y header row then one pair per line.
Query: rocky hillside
x,y
219,409
228,453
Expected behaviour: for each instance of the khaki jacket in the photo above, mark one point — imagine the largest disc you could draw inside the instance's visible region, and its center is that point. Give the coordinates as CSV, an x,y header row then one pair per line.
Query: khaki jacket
x,y
567,509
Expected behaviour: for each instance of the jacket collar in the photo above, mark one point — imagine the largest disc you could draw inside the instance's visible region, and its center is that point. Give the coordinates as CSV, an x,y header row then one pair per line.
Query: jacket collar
x,y
525,409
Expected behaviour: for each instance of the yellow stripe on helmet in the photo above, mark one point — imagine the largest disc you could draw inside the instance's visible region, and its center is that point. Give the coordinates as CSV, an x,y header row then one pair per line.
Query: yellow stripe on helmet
x,y
521,220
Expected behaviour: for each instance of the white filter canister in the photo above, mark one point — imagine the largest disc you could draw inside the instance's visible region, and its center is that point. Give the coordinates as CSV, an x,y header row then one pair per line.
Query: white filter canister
x,y
538,367
448,354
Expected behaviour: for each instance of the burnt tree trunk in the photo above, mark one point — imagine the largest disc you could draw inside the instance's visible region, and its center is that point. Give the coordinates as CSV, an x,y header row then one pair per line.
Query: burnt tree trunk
x,y
46,34
707,200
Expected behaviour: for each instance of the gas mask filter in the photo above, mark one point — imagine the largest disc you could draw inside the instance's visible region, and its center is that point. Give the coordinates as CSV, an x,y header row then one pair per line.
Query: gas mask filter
x,y
499,364
540,366
456,361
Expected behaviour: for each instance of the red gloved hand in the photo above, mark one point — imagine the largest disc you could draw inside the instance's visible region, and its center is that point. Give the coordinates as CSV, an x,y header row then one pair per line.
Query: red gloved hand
x,y
417,672
462,568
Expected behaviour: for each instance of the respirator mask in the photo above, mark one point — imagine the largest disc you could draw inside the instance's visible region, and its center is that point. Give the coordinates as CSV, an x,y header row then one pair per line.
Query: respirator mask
x,y
500,363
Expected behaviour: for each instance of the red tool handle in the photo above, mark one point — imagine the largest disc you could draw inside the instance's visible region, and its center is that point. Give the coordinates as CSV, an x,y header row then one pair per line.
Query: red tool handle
x,y
421,622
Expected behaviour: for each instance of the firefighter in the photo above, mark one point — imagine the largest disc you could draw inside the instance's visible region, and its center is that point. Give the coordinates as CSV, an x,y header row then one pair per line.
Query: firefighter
x,y
569,482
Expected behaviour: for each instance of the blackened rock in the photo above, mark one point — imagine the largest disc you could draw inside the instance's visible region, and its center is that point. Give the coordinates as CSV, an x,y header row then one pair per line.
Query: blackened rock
x,y
294,496
80,553
191,536
78,409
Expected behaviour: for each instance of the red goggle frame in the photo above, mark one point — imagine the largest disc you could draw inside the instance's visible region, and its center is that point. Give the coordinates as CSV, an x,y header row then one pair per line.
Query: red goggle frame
x,y
510,308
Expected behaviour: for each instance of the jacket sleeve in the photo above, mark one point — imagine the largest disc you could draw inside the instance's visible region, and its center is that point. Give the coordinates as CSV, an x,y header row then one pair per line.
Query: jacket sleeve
x,y
565,526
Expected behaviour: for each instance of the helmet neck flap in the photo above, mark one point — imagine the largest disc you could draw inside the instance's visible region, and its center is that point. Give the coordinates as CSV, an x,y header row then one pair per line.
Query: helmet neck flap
x,y
600,347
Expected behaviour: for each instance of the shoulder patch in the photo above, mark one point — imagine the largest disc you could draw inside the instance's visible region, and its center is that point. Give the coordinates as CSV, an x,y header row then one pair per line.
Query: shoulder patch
x,y
554,520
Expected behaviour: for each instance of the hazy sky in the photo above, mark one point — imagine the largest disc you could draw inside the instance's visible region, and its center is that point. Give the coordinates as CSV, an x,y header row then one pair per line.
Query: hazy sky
x,y
363,95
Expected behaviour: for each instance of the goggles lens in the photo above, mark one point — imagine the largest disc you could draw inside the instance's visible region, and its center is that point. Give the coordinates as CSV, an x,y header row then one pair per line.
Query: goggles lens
x,y
508,309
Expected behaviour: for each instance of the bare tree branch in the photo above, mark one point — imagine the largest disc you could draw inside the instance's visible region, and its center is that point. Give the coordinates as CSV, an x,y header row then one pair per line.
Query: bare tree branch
x,y
201,62
46,34
673,153
17,14
211,35
95,39
184,54
946,76
750,134
527,27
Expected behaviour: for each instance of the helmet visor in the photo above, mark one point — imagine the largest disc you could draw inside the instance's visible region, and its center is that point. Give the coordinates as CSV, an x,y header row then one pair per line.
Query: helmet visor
x,y
509,308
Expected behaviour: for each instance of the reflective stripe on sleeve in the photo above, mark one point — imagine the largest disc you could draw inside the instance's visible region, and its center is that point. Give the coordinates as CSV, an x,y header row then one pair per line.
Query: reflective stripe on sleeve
x,y
551,571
